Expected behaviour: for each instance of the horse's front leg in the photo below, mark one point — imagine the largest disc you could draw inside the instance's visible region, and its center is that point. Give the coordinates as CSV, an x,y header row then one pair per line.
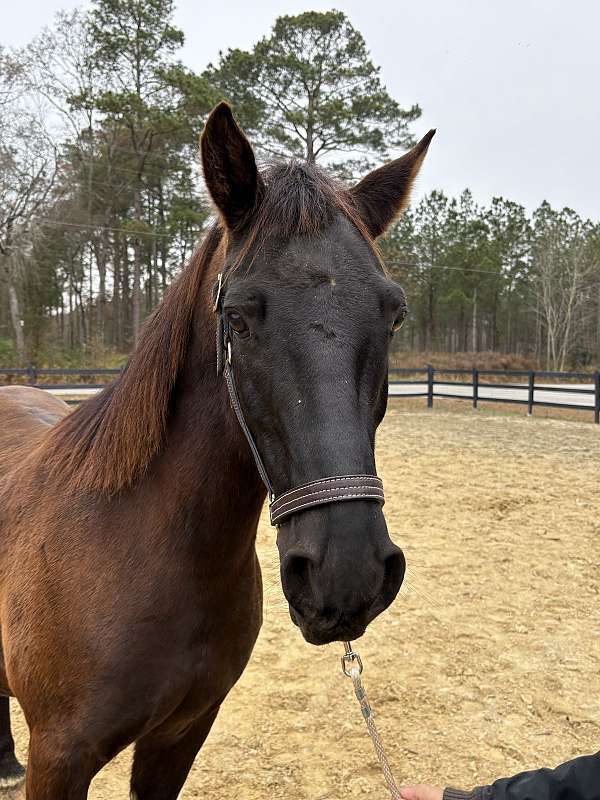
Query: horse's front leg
x,y
61,763
161,762
11,772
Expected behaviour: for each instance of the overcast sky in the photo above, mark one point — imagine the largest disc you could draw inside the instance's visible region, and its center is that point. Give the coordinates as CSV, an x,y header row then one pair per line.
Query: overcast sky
x,y
510,85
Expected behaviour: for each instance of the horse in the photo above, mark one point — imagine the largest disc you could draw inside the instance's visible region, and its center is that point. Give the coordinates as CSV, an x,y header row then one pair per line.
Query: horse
x,y
130,590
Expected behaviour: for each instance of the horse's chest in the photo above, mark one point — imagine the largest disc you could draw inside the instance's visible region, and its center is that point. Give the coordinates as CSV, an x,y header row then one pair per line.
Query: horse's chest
x,y
219,659
203,673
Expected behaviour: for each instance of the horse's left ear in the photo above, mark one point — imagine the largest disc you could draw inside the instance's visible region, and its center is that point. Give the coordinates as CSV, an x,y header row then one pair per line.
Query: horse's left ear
x,y
385,192
229,167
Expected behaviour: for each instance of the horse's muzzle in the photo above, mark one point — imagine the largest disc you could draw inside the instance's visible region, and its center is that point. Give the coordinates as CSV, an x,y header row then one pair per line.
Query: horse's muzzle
x,y
337,583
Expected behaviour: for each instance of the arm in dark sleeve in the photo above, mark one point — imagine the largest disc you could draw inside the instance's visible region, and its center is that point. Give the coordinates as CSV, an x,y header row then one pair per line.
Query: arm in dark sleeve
x,y
576,780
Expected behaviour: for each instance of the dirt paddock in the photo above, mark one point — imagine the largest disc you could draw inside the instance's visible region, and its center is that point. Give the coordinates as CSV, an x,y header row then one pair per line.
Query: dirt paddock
x,y
488,662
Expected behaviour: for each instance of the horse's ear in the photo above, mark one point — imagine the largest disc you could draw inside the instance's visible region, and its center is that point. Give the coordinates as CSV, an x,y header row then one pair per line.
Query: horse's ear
x,y
385,192
229,168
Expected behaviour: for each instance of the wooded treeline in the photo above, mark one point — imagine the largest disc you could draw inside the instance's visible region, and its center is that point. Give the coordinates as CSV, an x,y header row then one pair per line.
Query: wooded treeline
x,y
494,278
101,202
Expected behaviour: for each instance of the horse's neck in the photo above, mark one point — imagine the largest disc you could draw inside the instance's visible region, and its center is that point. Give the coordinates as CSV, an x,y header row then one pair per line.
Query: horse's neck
x,y
205,472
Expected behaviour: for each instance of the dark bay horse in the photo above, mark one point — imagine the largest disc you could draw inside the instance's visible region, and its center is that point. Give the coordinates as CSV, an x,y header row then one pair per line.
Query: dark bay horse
x,y
130,591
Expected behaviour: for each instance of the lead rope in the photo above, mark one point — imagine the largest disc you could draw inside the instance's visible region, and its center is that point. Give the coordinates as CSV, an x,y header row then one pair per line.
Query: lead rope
x,y
353,667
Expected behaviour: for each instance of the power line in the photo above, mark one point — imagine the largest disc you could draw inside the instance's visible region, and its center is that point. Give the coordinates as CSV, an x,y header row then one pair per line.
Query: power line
x,y
143,173
439,266
80,145
163,235
62,223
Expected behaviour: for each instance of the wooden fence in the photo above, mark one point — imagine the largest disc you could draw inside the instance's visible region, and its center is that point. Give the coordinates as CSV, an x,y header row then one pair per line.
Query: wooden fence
x,y
505,390
428,382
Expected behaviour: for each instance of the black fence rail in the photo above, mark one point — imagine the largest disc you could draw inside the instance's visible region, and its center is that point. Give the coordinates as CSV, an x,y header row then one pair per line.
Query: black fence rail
x,y
428,382
525,382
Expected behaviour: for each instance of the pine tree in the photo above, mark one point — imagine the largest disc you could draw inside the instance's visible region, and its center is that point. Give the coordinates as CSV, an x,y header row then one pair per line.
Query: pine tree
x,y
311,90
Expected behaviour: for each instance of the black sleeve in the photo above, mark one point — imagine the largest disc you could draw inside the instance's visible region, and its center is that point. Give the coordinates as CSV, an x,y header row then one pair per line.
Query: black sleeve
x,y
576,780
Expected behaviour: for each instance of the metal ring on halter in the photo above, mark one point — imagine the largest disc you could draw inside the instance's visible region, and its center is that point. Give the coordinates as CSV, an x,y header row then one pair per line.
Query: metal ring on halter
x,y
349,658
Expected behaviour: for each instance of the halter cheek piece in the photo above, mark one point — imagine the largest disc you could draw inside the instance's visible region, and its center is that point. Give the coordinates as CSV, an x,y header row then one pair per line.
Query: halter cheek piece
x,y
326,490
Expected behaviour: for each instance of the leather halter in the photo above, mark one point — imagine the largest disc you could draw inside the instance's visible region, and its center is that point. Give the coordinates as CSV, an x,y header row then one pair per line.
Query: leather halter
x,y
332,489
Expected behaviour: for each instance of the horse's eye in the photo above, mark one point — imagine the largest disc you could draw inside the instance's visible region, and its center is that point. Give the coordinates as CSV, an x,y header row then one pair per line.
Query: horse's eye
x,y
399,321
236,323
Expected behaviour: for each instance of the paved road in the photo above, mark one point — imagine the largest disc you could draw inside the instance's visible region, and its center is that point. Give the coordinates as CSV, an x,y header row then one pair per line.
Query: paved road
x,y
564,397
83,392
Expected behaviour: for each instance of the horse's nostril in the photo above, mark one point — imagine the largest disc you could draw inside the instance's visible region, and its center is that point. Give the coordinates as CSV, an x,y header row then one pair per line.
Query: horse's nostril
x,y
296,575
297,567
394,567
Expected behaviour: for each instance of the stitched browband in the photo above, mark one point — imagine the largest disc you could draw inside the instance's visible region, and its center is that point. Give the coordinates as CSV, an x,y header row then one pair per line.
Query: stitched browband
x,y
326,490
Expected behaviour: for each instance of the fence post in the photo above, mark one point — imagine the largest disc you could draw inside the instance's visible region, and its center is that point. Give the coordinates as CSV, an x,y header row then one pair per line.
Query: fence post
x,y
429,386
475,387
530,393
31,374
597,400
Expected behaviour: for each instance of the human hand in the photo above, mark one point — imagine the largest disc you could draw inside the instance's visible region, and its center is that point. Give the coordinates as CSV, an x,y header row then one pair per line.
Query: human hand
x,y
421,792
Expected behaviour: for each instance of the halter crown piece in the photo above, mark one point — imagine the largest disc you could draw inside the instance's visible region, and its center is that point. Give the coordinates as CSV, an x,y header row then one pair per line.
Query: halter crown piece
x,y
332,489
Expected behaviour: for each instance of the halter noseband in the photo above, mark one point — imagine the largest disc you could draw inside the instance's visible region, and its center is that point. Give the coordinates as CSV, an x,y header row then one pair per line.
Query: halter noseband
x,y
315,493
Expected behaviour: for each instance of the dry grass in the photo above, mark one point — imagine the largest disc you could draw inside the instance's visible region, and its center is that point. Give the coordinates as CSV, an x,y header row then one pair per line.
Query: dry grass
x,y
448,406
487,662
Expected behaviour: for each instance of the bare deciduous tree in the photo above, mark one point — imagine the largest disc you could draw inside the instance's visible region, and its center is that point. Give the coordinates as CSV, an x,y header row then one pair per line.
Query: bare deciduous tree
x,y
563,269
28,164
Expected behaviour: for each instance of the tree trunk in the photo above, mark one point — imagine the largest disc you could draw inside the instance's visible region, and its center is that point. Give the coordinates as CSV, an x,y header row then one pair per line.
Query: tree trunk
x,y
430,316
90,323
494,331
116,338
71,321
474,323
310,130
101,258
137,268
538,331
162,243
463,327
125,299
82,327
15,316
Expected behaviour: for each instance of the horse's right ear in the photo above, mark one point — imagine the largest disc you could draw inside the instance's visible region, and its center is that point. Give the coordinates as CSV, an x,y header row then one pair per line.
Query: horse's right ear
x,y
230,168
385,192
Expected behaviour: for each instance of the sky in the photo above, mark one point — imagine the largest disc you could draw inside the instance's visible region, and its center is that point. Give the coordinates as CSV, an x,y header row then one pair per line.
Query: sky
x,y
510,85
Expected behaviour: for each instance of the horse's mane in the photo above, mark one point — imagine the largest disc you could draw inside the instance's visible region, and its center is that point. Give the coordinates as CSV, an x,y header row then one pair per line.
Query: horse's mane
x,y
299,199
109,441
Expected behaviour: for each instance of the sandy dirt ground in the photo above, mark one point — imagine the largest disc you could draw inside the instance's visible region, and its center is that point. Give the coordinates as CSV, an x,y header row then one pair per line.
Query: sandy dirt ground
x,y
487,663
